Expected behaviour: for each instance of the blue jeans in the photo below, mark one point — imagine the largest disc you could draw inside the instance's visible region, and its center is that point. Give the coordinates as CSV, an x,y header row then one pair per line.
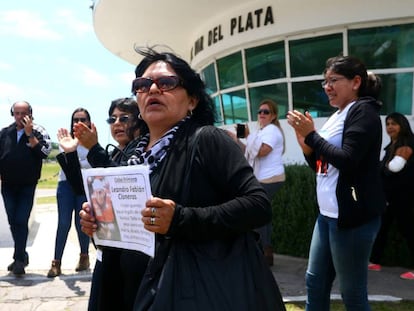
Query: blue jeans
x,y
18,201
343,253
69,203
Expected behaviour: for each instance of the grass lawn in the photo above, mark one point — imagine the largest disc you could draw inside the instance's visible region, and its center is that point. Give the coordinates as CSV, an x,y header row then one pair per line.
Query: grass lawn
x,y
49,176
375,306
48,180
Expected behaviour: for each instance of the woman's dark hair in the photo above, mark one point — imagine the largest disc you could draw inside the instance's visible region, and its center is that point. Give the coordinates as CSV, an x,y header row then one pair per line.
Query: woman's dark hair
x,y
88,117
204,113
374,85
405,135
349,67
130,106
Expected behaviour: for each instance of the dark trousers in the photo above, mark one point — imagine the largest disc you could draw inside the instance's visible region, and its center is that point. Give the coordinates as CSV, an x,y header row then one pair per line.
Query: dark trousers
x,y
18,201
117,278
266,231
401,211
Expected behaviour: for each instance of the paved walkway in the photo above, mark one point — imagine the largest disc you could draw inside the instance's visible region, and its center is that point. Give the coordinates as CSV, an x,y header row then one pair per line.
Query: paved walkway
x,y
70,291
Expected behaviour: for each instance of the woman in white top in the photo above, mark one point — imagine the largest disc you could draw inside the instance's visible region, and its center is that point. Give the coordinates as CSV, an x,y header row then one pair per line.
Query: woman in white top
x,y
69,203
263,150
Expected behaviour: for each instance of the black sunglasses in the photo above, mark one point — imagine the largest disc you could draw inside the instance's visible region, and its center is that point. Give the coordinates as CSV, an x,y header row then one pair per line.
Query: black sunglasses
x,y
165,83
265,111
76,120
122,119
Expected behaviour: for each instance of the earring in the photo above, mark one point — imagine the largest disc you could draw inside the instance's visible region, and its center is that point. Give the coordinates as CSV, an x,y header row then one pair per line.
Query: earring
x,y
190,113
139,116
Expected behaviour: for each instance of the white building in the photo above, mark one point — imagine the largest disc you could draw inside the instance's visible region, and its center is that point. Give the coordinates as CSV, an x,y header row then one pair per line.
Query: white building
x,y
247,50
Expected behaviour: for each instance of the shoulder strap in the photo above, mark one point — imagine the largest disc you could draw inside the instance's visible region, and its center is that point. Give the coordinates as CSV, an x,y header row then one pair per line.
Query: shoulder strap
x,y
187,178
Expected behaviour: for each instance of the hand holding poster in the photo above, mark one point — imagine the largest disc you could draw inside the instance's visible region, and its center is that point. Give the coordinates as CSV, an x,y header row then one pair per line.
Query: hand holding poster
x,y
117,195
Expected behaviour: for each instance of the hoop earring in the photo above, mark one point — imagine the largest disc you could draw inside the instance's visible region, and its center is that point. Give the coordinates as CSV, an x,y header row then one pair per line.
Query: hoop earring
x,y
139,116
190,113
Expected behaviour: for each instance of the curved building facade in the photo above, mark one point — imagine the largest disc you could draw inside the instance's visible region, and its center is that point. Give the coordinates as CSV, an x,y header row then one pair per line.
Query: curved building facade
x,y
250,50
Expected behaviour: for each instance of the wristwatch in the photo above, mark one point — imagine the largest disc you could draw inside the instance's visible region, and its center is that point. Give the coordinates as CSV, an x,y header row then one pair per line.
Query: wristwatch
x,y
30,136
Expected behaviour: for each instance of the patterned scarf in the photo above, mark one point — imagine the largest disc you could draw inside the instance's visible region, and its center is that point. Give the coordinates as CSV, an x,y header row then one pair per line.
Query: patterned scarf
x,y
158,151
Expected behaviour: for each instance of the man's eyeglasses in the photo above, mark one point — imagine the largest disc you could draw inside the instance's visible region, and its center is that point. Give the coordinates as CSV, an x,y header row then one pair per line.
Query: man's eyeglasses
x,y
331,81
166,83
122,119
264,111
76,120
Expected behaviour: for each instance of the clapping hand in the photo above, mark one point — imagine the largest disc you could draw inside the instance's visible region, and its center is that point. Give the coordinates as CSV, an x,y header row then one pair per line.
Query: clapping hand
x,y
66,141
88,137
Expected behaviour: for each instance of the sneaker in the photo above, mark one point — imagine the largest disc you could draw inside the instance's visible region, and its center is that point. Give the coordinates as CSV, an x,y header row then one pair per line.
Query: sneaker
x,y
83,263
18,268
407,275
54,269
374,267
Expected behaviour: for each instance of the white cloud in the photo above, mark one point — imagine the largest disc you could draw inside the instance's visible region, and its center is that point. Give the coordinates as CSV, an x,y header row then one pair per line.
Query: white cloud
x,y
92,77
68,19
9,91
26,24
5,66
127,77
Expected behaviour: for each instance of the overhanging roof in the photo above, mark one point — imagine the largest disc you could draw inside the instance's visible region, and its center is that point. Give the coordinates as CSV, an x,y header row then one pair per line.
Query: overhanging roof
x,y
119,24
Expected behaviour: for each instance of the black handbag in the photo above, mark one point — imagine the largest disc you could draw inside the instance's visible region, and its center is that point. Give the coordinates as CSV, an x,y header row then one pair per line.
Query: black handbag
x,y
216,275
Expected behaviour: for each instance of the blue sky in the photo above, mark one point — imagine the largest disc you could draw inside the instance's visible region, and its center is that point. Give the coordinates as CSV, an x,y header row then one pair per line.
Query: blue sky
x,y
50,57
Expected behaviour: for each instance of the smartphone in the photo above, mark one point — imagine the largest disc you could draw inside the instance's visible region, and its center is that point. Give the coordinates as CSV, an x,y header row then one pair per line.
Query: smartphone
x,y
241,130
24,121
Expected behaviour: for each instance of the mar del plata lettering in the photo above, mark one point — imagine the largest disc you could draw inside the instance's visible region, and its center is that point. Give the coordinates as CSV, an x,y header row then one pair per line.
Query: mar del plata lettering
x,y
242,23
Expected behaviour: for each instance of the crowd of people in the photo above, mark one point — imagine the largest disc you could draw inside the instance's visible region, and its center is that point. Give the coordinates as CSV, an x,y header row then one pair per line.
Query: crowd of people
x,y
210,209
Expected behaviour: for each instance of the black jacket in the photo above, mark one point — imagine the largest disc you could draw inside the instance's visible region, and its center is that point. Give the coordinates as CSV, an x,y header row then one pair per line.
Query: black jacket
x,y
398,185
358,163
20,164
209,246
99,157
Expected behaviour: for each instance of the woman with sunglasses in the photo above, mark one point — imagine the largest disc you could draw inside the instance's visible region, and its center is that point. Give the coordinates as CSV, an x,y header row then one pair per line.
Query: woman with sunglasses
x,y
118,276
206,201
344,154
69,202
264,149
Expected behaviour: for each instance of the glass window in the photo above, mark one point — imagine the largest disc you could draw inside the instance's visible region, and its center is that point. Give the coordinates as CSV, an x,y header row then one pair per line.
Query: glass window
x,y
396,93
276,92
266,62
310,96
230,70
308,56
209,77
234,107
219,115
383,47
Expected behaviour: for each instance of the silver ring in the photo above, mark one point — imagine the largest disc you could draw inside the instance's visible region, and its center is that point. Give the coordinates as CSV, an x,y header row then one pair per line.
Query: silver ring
x,y
152,221
297,123
153,211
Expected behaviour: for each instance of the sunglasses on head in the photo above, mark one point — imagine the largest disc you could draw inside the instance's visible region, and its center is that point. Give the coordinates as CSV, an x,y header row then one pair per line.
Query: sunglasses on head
x,y
265,111
164,84
122,119
76,120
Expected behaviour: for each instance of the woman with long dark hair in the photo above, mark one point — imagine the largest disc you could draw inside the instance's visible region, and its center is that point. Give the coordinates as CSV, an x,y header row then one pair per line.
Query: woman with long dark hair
x,y
69,203
397,172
